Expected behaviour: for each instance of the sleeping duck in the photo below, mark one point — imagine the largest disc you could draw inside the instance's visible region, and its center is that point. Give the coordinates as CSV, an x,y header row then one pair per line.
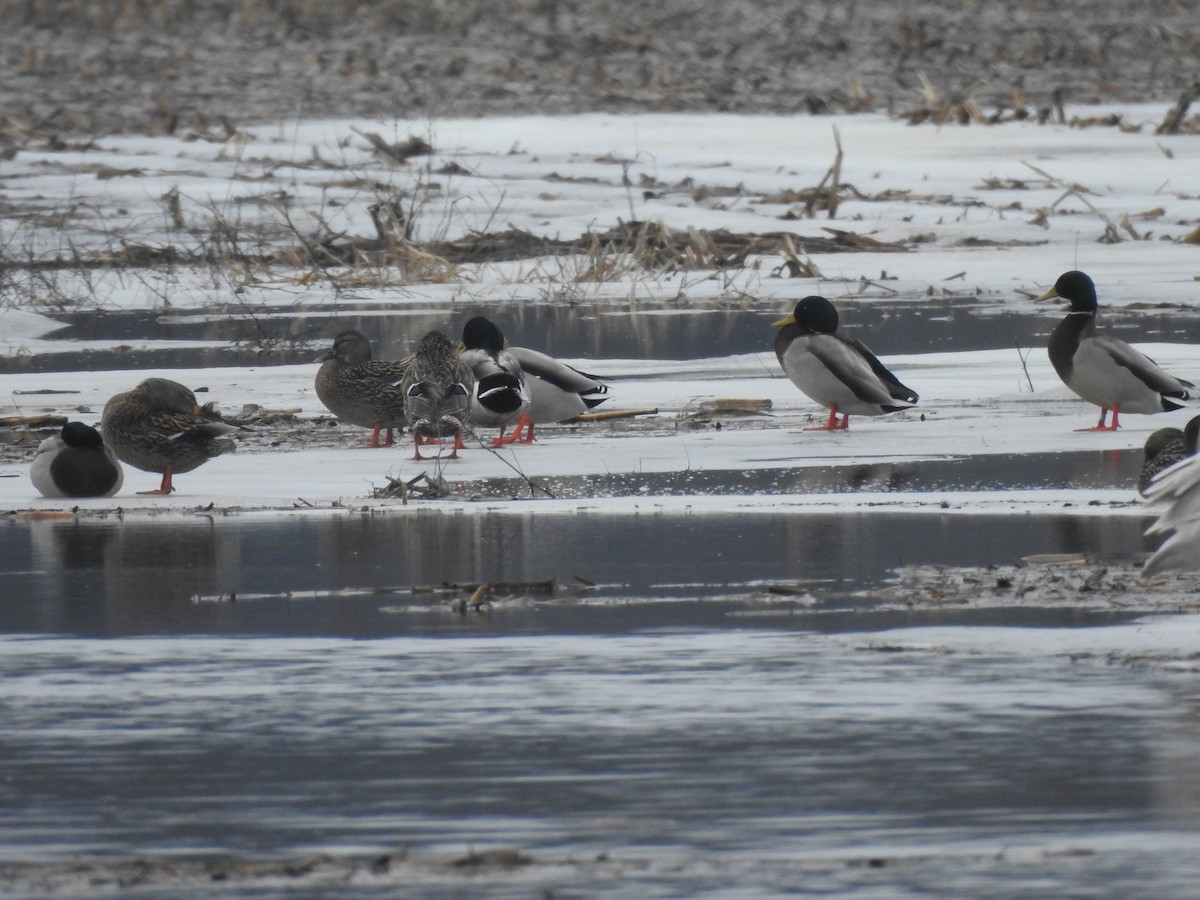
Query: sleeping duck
x,y
1175,491
1164,448
158,427
75,463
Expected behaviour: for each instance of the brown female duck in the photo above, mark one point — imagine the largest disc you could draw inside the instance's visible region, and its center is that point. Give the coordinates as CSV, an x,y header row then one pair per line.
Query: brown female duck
x,y
158,427
361,390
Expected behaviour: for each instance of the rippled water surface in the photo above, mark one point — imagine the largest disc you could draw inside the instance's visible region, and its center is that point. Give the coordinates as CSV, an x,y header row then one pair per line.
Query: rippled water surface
x,y
670,731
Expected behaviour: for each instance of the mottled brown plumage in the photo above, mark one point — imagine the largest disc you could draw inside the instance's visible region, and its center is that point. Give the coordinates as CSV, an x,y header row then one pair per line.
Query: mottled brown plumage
x,y
361,390
158,427
437,391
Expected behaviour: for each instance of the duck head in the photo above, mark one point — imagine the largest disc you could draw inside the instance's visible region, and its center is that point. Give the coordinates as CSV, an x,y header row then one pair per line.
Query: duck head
x,y
351,347
482,334
1077,289
76,434
814,315
167,394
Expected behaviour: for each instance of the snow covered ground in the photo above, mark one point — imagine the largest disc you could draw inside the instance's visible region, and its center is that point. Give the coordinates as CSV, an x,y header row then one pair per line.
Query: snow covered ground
x,y
988,216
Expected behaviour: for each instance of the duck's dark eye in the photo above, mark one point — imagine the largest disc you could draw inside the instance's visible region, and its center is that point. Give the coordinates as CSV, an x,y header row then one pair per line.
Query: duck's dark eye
x,y
459,390
417,390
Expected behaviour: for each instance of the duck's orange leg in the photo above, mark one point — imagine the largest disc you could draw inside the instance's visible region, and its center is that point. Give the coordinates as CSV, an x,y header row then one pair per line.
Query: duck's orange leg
x,y
419,439
832,424
389,440
515,437
166,487
1100,426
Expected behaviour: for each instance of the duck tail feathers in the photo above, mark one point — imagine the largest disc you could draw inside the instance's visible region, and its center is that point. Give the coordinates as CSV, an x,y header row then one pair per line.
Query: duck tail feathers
x,y
1180,400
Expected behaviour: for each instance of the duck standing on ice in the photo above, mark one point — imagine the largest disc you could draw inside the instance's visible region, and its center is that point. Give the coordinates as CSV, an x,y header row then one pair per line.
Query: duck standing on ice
x,y
158,427
361,390
500,398
1105,370
836,371
437,390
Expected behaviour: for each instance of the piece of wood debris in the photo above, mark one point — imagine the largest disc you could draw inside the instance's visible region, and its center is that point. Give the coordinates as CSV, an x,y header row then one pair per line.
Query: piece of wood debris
x,y
422,487
726,406
863,241
45,421
615,414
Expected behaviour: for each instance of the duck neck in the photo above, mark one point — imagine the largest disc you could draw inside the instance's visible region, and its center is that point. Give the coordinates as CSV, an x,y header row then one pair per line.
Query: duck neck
x,y
1065,338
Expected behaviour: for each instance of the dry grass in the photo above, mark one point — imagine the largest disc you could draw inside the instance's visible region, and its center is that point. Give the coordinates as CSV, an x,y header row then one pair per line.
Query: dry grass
x,y
246,61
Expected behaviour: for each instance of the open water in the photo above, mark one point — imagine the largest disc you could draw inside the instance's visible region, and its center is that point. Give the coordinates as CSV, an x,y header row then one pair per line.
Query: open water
x,y
654,724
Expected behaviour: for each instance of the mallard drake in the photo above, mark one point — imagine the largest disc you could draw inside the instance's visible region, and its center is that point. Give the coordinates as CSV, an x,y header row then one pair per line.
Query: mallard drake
x,y
158,427
437,389
557,392
75,463
500,398
834,370
1105,370
361,390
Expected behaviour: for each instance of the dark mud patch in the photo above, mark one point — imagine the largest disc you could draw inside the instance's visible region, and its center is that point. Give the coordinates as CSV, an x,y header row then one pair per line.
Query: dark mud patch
x,y
499,869
999,472
1085,582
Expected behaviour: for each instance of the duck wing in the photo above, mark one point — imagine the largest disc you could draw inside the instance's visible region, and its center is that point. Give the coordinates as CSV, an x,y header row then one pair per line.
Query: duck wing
x,y
383,370
896,389
499,382
857,368
1177,491
557,373
1142,366
378,380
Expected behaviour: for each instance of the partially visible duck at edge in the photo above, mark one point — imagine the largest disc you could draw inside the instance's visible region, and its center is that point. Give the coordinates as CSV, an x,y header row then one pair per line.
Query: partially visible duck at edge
x,y
1164,448
1175,492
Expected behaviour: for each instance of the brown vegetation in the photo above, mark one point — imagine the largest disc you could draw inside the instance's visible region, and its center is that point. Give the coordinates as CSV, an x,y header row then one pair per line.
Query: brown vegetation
x,y
174,66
